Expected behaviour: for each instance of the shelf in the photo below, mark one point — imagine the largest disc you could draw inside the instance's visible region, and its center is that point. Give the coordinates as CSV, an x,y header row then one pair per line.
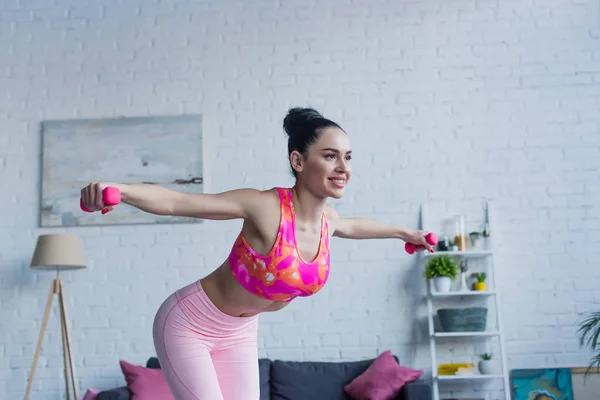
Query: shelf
x,y
480,293
467,377
465,334
463,254
480,258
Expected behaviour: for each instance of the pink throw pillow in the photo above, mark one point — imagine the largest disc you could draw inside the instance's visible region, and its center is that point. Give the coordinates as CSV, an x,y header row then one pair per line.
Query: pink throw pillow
x,y
90,394
383,380
145,383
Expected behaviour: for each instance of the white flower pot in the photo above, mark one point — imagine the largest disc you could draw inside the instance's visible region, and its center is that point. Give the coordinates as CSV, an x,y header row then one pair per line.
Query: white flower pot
x,y
442,284
486,367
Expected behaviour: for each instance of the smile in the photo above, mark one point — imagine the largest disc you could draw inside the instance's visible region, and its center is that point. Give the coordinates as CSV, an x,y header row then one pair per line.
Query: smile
x,y
338,182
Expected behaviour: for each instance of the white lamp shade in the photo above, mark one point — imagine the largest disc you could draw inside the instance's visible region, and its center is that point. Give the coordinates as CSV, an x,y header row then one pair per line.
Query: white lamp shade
x,y
58,252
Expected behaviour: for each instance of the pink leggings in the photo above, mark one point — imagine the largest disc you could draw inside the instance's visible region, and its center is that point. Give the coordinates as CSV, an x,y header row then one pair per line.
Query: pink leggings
x,y
204,353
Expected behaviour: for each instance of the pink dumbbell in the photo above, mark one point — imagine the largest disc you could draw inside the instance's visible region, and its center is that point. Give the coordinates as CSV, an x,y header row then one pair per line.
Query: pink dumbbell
x,y
431,239
111,196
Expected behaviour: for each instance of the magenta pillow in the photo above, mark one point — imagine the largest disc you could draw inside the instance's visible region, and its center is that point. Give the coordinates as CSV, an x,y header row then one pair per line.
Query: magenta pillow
x,y
145,383
91,394
383,380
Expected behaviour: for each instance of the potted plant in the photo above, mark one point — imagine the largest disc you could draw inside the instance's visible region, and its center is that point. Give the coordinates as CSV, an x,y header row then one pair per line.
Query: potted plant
x,y
443,270
475,239
589,335
480,284
485,364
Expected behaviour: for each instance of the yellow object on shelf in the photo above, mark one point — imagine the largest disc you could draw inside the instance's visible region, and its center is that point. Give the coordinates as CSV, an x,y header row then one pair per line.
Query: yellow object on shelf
x,y
481,286
452,369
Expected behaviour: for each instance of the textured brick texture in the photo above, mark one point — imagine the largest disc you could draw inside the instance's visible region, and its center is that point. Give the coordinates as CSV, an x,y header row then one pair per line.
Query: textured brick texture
x,y
446,102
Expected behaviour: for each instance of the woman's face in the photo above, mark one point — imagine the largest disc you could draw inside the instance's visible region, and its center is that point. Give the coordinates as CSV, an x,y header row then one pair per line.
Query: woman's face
x,y
326,169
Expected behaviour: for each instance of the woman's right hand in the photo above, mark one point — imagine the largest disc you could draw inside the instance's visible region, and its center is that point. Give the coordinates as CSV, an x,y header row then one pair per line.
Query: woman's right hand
x,y
92,197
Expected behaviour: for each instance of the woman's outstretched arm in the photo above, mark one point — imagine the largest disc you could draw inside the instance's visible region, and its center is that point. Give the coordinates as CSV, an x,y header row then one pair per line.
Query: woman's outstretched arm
x,y
364,228
155,199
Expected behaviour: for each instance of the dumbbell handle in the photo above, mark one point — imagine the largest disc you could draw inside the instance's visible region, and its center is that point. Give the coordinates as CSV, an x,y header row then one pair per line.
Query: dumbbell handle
x,y
431,239
111,196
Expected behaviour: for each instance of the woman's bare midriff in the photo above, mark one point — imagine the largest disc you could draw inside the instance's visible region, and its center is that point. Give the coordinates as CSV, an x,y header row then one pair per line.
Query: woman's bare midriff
x,y
230,297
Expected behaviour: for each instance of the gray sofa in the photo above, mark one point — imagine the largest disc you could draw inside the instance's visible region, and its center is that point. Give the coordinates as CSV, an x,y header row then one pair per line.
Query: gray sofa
x,y
301,380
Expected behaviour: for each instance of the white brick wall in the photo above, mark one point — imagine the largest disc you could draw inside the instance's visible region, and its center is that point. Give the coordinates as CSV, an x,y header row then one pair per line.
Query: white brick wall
x,y
464,99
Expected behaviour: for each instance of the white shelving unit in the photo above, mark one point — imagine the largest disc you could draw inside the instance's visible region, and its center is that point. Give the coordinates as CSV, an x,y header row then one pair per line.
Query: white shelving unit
x,y
490,296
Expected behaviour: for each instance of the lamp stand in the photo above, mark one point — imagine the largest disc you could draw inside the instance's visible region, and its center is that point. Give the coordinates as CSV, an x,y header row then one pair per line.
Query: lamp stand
x,y
56,287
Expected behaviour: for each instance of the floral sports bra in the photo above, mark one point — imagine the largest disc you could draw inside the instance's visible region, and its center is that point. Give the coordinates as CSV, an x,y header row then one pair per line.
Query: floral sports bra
x,y
282,274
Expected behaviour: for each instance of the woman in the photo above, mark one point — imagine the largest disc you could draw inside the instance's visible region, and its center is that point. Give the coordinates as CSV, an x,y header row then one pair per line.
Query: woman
x,y
205,333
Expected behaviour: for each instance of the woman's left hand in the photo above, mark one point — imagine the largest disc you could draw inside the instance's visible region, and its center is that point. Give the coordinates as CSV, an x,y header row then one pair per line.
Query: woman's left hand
x,y
418,238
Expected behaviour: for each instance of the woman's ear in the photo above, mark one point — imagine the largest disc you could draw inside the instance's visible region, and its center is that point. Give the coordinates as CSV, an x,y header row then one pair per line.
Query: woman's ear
x,y
297,161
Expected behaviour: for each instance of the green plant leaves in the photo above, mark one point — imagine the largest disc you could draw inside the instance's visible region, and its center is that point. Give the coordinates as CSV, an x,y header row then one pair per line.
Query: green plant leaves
x,y
441,265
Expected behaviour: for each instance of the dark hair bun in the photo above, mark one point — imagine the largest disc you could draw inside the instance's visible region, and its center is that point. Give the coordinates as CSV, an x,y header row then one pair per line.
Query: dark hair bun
x,y
304,126
298,119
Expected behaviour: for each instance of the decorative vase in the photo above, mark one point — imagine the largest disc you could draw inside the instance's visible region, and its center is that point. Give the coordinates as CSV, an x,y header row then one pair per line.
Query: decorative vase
x,y
464,287
486,367
475,240
481,286
442,284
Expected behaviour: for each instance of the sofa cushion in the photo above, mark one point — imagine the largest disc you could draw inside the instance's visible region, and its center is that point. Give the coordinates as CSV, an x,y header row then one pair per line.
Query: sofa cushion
x,y
91,394
302,380
383,380
145,383
152,363
120,393
264,367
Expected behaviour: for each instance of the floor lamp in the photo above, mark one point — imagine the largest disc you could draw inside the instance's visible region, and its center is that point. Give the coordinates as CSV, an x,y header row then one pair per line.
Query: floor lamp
x,y
57,252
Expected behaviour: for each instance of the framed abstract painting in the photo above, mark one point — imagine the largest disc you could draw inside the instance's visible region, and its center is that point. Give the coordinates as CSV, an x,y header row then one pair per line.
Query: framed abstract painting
x,y
161,150
542,384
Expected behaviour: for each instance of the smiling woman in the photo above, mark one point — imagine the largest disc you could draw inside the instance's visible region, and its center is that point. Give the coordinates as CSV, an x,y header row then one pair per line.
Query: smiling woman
x,y
205,333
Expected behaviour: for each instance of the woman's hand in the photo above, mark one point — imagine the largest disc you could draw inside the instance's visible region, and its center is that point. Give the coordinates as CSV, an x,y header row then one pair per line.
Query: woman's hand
x,y
418,238
92,197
